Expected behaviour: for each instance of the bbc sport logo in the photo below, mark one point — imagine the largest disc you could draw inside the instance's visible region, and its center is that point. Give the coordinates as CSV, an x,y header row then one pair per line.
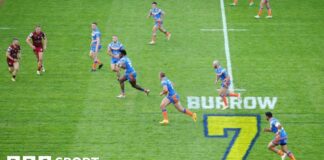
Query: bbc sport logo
x,y
49,158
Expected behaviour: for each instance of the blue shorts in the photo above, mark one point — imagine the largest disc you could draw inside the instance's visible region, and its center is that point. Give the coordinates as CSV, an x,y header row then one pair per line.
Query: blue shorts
x,y
226,83
281,140
158,24
93,48
131,76
114,60
174,98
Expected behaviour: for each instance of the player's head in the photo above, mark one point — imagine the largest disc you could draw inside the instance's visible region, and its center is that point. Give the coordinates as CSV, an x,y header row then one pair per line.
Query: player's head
x,y
216,63
15,41
268,115
154,4
114,38
161,75
122,53
94,25
38,29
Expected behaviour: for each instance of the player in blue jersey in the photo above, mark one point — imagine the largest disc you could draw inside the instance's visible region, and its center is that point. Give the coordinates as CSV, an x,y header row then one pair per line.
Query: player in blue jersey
x,y
281,137
171,97
130,74
114,49
95,47
158,16
221,74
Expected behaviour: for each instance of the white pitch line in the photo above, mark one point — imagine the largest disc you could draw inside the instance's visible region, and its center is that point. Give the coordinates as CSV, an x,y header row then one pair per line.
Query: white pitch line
x,y
5,28
217,30
226,44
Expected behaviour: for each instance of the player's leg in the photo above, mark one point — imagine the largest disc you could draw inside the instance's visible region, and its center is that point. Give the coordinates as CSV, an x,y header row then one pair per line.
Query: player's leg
x,y
114,68
93,57
269,9
251,2
132,80
165,102
43,67
15,70
226,85
163,30
154,34
289,154
223,93
96,61
36,51
234,3
272,147
186,111
233,94
260,9
10,66
40,62
121,81
11,69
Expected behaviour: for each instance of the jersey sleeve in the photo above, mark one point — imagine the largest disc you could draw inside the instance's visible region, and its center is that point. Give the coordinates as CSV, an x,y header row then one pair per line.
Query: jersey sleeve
x,y
43,36
220,71
30,35
122,47
121,61
163,83
273,123
277,124
98,35
9,49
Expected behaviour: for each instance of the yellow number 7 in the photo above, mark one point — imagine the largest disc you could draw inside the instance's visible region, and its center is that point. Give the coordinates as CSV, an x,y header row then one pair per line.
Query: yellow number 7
x,y
246,128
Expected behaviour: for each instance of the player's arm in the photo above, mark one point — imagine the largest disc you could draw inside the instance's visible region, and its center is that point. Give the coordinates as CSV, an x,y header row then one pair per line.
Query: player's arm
x,y
19,55
162,15
121,64
267,130
98,43
44,42
216,78
109,52
149,14
164,91
8,56
29,41
278,125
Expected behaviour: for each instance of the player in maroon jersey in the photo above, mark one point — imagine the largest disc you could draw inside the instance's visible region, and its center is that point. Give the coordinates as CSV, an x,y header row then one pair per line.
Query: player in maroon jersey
x,y
38,41
13,56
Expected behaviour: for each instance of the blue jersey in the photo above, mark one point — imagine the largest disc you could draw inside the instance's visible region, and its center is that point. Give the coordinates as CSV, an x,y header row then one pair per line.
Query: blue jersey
x,y
283,138
221,73
274,123
128,64
156,13
95,34
115,47
166,82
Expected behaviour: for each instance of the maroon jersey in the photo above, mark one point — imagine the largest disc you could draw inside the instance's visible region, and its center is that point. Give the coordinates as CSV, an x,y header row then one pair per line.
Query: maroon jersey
x,y
13,51
37,38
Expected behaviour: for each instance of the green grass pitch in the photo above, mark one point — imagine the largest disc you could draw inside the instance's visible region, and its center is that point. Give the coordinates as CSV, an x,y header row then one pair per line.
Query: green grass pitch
x,y
71,112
